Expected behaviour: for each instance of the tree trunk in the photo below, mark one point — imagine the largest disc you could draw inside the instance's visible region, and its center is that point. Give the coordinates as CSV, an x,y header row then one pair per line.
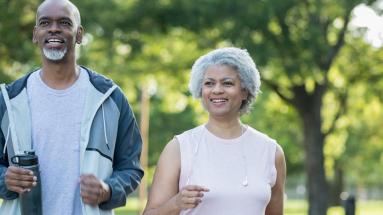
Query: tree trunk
x,y
317,186
309,106
337,185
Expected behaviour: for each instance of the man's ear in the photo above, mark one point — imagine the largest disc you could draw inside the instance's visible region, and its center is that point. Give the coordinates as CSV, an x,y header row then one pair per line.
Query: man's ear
x,y
34,40
79,34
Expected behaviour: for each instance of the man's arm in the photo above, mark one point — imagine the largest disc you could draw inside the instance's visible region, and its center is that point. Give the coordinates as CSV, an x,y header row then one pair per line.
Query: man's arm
x,y
4,192
127,172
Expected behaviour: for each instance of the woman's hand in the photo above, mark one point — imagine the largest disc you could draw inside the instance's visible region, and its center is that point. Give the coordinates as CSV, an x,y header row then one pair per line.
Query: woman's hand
x,y
166,198
190,196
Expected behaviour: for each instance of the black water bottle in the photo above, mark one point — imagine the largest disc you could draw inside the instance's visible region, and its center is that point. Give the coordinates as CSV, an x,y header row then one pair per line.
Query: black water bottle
x,y
30,202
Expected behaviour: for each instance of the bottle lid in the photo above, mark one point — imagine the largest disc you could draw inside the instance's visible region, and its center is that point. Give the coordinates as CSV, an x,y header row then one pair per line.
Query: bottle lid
x,y
27,159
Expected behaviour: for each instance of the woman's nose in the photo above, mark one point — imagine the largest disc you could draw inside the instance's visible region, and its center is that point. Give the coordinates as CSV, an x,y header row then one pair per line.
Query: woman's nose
x,y
217,88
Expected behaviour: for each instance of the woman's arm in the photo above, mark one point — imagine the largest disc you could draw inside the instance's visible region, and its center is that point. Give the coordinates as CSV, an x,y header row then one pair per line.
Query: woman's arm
x,y
164,197
275,206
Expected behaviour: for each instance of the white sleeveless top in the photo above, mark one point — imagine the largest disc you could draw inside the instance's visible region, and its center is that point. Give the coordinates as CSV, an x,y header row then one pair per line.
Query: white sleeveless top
x,y
222,165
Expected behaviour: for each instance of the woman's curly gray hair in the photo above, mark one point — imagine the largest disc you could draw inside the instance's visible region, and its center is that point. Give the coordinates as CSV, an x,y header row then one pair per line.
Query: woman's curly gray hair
x,y
240,61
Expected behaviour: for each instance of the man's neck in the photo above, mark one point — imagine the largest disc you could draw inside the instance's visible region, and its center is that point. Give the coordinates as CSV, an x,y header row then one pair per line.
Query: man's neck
x,y
59,75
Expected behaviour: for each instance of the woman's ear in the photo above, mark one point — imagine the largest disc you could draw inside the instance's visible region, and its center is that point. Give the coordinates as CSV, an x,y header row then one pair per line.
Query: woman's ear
x,y
244,94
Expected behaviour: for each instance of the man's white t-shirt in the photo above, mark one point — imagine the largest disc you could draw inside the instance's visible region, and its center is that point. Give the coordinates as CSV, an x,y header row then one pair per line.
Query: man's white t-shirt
x,y
56,125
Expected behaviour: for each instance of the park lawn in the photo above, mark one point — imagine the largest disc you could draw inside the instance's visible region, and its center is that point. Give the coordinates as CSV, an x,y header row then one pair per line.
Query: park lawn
x,y
292,207
299,207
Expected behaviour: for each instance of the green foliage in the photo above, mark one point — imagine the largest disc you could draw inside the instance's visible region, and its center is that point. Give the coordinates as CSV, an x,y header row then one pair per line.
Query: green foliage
x,y
292,207
170,124
157,41
16,48
278,120
357,138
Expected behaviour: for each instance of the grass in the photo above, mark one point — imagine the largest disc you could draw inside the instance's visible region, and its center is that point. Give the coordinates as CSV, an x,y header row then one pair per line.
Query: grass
x,y
292,207
299,207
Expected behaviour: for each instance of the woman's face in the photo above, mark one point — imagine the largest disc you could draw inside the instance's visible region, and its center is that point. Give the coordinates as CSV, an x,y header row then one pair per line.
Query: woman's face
x,y
222,94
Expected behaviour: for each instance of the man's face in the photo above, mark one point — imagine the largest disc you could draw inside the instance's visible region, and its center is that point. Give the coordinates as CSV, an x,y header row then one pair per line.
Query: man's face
x,y
56,31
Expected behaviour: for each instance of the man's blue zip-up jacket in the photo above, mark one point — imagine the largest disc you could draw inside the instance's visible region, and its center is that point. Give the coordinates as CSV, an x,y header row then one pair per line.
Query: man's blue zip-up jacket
x,y
110,144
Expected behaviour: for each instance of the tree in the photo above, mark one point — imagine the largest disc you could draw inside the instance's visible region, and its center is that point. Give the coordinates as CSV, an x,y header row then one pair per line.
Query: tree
x,y
296,44
16,48
355,145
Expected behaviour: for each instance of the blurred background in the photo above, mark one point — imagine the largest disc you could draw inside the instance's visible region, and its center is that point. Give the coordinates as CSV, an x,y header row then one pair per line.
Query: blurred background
x,y
321,64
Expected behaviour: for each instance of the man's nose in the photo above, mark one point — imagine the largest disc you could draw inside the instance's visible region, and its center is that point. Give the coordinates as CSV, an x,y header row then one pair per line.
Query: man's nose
x,y
54,27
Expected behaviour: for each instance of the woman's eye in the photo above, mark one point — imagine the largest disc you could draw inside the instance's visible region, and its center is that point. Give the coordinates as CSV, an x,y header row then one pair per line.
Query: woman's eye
x,y
208,83
228,83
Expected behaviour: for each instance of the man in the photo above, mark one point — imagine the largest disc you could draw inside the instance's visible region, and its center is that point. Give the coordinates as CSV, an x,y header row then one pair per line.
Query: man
x,y
78,122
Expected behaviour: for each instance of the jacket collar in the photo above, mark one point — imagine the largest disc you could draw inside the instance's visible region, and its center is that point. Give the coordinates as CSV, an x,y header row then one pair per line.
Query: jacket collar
x,y
100,82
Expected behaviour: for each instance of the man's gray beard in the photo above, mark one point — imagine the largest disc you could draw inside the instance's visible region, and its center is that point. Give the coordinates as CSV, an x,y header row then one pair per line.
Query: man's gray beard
x,y
53,54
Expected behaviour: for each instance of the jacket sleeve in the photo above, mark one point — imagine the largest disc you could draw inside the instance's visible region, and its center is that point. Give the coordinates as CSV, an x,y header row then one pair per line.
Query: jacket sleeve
x,y
127,172
4,192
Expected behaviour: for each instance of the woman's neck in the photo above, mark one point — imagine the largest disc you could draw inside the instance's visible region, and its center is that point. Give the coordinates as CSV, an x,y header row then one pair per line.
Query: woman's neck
x,y
226,129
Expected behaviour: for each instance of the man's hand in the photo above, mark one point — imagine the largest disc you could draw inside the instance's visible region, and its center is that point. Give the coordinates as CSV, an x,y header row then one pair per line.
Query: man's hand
x,y
93,190
19,180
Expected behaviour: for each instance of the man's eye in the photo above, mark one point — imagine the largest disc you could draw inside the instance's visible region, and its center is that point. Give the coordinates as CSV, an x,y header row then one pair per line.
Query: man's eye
x,y
43,23
66,23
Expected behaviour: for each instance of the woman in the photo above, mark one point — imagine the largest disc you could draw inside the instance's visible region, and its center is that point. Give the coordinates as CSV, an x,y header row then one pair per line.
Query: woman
x,y
224,166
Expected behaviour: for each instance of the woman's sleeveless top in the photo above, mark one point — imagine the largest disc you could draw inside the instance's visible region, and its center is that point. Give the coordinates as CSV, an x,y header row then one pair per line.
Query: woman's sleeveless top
x,y
239,172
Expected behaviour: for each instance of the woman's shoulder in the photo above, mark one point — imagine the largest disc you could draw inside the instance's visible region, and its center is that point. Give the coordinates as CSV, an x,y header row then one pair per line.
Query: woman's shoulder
x,y
261,137
187,139
191,133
